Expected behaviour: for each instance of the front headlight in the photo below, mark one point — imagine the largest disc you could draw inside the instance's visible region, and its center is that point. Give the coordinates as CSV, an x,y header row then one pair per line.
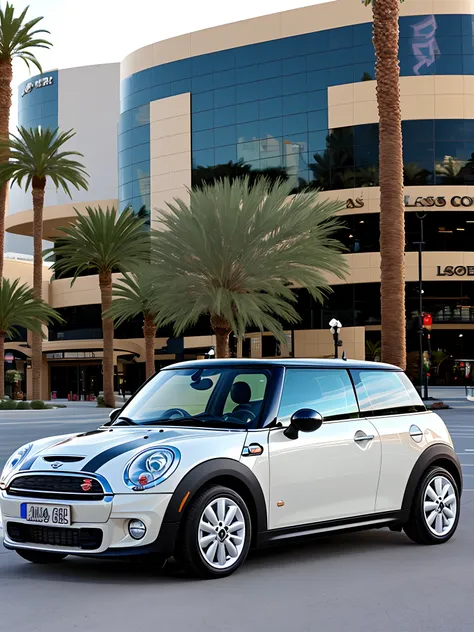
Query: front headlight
x,y
151,467
15,460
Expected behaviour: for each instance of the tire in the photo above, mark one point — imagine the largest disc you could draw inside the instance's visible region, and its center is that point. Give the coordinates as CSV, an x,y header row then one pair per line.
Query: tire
x,y
40,557
226,546
432,521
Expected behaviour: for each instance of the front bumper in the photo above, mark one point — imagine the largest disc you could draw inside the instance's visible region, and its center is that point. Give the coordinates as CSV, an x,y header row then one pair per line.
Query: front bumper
x,y
108,520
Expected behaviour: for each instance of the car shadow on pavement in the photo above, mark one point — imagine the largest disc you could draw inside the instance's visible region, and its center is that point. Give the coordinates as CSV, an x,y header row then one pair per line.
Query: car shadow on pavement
x,y
322,549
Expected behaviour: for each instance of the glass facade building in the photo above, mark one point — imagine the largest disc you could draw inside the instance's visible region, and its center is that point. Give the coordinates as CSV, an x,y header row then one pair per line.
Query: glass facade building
x,y
265,106
38,101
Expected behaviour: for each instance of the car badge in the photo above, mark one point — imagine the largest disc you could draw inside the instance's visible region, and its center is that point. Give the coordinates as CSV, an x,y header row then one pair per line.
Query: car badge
x,y
56,465
86,485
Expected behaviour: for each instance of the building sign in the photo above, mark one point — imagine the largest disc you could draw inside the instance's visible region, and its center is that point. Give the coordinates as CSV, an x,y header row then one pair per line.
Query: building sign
x,y
39,83
457,201
69,355
357,203
455,271
424,46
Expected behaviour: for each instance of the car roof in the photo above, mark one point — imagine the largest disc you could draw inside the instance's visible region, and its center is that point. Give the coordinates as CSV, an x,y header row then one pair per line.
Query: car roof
x,y
284,362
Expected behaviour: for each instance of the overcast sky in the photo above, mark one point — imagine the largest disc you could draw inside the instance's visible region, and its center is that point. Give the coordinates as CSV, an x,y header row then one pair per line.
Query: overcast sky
x,y
88,32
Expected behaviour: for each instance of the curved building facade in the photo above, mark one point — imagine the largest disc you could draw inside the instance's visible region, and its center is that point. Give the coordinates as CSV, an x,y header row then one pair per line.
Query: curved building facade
x,y
293,95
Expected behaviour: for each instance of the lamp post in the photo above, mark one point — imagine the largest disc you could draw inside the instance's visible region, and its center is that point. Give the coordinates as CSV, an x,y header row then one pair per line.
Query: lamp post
x,y
210,354
335,327
420,244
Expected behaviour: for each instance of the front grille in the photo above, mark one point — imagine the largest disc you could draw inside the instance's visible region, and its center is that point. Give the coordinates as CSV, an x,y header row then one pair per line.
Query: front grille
x,y
86,539
56,487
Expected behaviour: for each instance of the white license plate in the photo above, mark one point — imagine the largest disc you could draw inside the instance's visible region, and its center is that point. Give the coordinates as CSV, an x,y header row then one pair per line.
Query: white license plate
x,y
52,515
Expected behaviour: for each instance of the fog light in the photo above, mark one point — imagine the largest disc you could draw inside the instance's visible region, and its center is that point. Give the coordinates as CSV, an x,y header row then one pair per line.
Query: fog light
x,y
137,529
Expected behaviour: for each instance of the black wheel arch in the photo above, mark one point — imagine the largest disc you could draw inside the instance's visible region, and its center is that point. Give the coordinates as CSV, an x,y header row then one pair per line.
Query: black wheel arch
x,y
439,454
221,471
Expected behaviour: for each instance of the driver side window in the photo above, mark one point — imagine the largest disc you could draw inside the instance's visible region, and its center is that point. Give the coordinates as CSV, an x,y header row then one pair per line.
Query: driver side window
x,y
328,391
250,394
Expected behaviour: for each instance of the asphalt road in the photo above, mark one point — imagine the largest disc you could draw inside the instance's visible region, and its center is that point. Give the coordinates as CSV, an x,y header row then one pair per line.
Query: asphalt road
x,y
366,582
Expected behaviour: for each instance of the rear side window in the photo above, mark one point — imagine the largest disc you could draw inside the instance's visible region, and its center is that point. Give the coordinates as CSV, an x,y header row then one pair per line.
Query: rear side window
x,y
328,391
385,393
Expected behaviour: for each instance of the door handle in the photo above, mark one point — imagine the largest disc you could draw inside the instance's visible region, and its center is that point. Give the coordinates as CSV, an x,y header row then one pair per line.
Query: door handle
x,y
363,437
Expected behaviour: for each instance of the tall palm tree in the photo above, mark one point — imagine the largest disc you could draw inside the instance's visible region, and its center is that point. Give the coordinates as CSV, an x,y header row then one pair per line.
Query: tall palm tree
x,y
20,308
18,39
103,242
236,249
392,211
35,156
134,295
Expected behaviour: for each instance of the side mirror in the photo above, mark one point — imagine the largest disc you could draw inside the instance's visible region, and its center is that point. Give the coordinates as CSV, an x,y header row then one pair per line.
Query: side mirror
x,y
114,414
303,420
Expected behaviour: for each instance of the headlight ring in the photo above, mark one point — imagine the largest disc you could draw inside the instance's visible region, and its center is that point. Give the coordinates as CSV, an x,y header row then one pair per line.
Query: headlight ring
x,y
151,467
16,458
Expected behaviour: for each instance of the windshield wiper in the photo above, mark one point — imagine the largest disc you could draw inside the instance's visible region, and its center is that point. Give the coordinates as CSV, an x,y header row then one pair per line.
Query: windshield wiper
x,y
124,421
168,420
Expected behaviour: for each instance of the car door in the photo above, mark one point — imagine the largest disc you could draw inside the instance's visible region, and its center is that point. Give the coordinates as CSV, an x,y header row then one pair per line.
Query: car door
x,y
390,401
330,473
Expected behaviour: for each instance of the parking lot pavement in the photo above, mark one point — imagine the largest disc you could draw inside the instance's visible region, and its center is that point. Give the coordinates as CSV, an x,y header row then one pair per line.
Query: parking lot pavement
x,y
376,581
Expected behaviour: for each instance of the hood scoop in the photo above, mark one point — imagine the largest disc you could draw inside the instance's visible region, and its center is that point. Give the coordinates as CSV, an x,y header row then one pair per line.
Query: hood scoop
x,y
63,459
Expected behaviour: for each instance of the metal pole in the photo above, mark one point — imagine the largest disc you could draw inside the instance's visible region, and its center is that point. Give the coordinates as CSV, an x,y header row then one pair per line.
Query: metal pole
x,y
336,340
423,385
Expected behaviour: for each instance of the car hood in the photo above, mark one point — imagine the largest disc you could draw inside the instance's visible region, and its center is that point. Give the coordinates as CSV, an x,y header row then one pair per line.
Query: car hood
x,y
107,451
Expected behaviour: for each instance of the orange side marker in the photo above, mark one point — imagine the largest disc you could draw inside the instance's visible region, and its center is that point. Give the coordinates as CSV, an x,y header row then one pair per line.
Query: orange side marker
x,y
183,502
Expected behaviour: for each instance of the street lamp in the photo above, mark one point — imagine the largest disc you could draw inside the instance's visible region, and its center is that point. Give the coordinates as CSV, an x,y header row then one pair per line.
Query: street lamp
x,y
335,327
210,354
420,244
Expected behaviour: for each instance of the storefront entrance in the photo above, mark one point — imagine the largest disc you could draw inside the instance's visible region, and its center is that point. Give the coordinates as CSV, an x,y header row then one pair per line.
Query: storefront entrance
x,y
78,382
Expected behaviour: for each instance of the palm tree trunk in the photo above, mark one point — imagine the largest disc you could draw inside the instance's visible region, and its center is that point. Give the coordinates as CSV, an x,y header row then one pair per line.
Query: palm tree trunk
x,y
6,74
392,212
222,330
149,331
2,364
36,338
105,283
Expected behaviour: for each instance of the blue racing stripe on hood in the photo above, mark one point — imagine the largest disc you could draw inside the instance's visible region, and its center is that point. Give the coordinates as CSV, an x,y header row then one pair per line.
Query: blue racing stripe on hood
x,y
101,459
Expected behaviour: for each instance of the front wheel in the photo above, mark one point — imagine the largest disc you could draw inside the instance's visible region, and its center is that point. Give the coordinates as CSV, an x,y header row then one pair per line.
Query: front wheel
x,y
40,557
434,514
216,534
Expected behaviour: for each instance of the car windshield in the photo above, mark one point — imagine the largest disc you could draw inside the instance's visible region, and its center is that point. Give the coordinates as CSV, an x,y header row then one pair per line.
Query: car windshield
x,y
210,398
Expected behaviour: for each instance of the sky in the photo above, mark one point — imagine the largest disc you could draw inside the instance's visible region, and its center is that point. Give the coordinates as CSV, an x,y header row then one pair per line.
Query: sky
x,y
86,32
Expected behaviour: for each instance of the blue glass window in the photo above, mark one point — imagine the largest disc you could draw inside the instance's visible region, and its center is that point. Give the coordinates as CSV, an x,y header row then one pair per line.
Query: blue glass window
x,y
181,69
202,83
295,103
226,154
203,101
269,70
203,158
160,92
225,135
140,153
247,131
294,83
293,65
295,124
224,78
271,127
140,135
247,112
225,116
203,120
204,140
180,87
247,92
160,75
224,96
318,120
269,108
269,88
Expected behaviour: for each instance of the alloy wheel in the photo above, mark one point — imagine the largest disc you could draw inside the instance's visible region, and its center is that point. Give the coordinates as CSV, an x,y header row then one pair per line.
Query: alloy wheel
x,y
221,533
440,506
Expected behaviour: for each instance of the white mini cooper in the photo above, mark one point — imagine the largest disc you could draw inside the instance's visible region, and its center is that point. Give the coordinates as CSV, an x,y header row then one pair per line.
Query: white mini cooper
x,y
212,457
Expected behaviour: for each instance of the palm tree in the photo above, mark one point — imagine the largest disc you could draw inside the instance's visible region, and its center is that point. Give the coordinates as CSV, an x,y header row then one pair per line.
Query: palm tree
x,y
135,294
18,39
392,211
103,242
20,308
236,249
35,156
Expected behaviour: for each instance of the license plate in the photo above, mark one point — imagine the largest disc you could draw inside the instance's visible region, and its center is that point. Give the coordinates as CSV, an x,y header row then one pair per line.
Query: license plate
x,y
52,515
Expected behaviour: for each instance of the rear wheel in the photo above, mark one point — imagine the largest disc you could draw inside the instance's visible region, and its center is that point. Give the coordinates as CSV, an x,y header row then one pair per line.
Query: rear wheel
x,y
216,534
40,557
434,514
